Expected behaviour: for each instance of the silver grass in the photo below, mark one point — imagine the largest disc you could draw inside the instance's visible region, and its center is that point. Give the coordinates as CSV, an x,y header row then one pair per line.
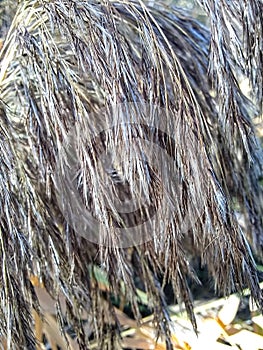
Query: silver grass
x,y
62,61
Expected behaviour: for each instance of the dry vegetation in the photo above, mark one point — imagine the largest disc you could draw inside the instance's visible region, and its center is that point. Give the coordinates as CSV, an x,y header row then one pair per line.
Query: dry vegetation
x,y
220,323
61,61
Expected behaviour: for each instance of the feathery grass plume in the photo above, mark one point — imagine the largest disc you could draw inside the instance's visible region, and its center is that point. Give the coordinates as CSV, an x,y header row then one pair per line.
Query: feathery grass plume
x,y
235,53
61,62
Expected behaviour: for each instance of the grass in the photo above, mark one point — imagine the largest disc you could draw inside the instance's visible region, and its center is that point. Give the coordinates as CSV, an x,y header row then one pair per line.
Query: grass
x,y
62,62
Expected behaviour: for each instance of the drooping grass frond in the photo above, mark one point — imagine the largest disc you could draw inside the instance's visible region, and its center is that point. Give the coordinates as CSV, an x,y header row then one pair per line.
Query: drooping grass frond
x,y
236,42
62,63
236,52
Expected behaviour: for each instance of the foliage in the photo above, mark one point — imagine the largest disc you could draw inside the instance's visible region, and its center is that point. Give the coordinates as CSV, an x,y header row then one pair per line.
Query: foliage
x,y
62,60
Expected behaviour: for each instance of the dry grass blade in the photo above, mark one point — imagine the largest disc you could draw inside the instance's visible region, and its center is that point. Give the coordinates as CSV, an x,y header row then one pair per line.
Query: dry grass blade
x,y
61,62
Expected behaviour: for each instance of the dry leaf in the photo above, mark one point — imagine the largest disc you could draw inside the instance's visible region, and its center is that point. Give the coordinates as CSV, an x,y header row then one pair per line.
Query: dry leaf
x,y
247,340
228,312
